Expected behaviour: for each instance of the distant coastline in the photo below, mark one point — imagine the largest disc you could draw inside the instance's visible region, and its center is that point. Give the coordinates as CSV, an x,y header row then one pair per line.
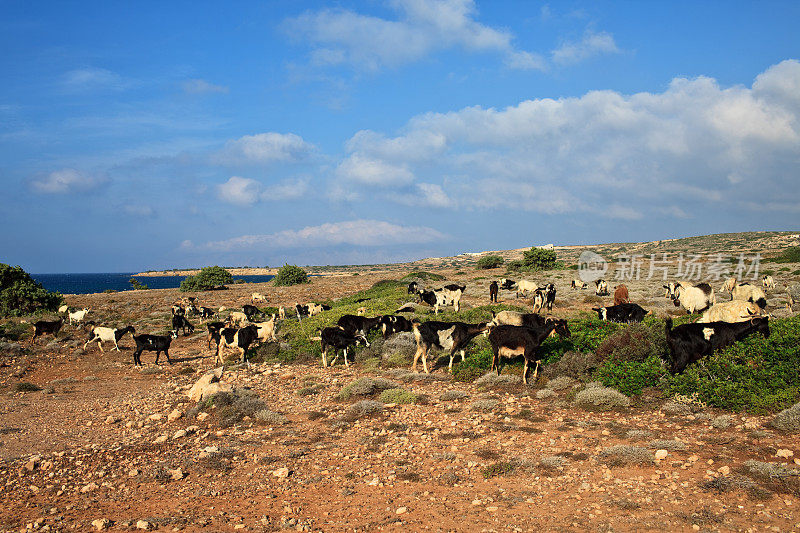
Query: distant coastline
x,y
193,271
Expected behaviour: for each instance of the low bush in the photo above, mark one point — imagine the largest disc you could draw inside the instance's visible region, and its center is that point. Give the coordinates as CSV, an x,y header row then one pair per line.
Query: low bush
x,y
450,395
790,255
366,386
265,416
362,409
425,276
208,278
401,396
24,386
489,261
624,455
484,405
20,294
290,275
788,419
601,399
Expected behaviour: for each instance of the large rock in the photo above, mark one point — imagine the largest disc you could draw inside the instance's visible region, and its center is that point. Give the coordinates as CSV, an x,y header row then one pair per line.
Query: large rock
x,y
208,385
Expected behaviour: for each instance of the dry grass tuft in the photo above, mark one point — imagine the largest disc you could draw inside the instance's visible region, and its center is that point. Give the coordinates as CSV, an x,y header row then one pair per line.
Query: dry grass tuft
x,y
625,455
601,399
788,419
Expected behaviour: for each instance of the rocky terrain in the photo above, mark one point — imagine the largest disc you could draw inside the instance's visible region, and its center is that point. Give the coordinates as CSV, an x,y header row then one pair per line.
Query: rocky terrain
x,y
103,445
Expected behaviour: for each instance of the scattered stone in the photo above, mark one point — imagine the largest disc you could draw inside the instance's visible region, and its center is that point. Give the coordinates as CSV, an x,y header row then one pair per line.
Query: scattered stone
x,y
208,385
784,453
281,473
661,454
161,439
177,474
143,524
156,416
401,510
111,419
89,487
101,524
179,434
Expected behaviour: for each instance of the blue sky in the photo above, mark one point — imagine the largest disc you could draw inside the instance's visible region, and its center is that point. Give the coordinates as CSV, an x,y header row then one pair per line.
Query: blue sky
x,y
167,134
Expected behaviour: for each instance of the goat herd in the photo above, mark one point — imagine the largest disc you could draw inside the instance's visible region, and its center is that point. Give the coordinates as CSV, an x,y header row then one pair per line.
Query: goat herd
x,y
511,334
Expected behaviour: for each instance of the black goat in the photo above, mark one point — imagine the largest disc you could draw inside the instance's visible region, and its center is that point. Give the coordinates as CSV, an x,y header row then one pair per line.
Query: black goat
x,y
47,326
393,324
507,284
151,343
450,336
178,310
691,342
512,341
412,287
549,296
493,290
338,339
179,322
206,312
250,311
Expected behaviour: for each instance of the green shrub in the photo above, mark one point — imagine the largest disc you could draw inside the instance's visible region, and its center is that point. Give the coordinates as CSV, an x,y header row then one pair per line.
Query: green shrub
x,y
757,374
539,259
24,386
20,294
398,396
137,285
425,276
790,255
208,278
489,261
290,275
366,386
515,266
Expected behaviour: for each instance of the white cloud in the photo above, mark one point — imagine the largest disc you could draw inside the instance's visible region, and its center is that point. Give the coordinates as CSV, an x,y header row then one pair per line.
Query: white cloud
x,y
693,149
422,27
592,44
264,148
246,191
375,233
92,78
239,191
199,86
67,180
364,170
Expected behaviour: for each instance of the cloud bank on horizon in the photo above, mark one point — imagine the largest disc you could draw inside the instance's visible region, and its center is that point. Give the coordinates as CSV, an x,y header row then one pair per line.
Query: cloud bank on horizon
x,y
536,138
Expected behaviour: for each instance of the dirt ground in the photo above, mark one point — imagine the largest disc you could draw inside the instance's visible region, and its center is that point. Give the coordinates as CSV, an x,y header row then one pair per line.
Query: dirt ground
x,y
105,445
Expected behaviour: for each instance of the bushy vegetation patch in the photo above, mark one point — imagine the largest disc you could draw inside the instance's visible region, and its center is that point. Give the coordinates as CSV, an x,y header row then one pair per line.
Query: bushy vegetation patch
x,y
625,455
366,386
398,395
788,419
24,386
790,255
425,276
601,399
489,261
290,275
21,295
362,409
757,374
208,278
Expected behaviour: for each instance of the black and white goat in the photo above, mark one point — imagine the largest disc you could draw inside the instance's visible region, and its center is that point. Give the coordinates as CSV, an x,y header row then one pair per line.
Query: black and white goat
x,y
337,338
691,342
507,284
413,287
513,341
179,322
450,336
621,313
206,312
693,298
749,293
448,295
358,325
151,343
390,324
239,339
213,332
100,334
601,287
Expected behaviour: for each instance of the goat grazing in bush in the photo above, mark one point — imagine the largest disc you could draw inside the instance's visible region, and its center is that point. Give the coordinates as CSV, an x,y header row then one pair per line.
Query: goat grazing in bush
x,y
337,339
513,341
450,336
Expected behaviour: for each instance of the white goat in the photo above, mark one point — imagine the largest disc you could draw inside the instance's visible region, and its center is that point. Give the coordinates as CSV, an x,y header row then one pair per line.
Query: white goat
x,y
749,293
237,318
694,298
728,286
266,330
78,316
100,334
735,311
258,297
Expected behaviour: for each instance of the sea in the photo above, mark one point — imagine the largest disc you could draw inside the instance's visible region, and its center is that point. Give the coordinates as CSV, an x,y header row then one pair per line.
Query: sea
x,y
118,281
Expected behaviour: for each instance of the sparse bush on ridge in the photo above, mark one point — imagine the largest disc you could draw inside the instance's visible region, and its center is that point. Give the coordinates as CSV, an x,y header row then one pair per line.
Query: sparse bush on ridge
x,y
208,278
290,275
489,261
788,419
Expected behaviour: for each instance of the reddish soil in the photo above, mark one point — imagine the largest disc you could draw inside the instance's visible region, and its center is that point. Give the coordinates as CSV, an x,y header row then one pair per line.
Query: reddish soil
x,y
87,447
